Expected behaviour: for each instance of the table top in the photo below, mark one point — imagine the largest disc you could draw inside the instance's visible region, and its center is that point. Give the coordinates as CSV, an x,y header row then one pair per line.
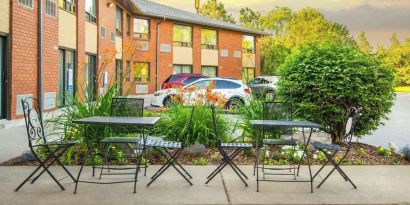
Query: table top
x,y
278,123
111,120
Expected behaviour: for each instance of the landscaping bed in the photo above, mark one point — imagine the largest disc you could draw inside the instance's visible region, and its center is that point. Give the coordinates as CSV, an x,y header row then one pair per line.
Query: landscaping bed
x,y
360,154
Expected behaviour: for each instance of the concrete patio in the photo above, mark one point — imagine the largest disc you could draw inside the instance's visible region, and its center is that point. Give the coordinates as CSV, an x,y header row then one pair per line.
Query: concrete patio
x,y
377,185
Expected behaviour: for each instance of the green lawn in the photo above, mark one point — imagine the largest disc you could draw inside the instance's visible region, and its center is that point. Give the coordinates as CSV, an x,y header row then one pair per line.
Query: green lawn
x,y
403,89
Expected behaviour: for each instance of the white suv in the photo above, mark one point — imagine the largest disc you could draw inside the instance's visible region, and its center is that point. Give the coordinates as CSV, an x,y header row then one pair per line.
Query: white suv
x,y
233,90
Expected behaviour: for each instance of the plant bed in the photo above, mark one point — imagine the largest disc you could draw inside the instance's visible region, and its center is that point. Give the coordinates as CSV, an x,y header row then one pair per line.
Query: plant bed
x,y
360,154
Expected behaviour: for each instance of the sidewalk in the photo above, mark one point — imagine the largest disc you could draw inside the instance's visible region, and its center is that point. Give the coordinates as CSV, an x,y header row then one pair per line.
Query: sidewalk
x,y
376,185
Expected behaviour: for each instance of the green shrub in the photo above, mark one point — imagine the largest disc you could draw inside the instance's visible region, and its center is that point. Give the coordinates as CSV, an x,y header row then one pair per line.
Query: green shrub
x,y
323,80
383,151
174,121
247,112
201,161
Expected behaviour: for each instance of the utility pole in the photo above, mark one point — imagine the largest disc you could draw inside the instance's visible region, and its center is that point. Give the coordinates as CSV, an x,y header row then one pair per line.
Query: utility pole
x,y
197,6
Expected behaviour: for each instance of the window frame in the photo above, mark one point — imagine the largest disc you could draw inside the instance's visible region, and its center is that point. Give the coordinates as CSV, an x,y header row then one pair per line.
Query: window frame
x,y
51,9
181,43
91,73
207,66
147,80
118,30
128,24
24,3
67,5
141,34
244,50
181,66
92,18
208,46
127,71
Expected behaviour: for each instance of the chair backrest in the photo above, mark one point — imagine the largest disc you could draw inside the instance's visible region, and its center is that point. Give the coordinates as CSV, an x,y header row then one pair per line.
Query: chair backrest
x,y
127,107
34,121
277,111
350,125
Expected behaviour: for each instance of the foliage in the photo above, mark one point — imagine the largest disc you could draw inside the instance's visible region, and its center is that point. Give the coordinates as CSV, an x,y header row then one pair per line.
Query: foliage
x,y
216,10
397,58
201,161
173,126
406,152
363,44
322,81
253,110
250,18
405,89
383,151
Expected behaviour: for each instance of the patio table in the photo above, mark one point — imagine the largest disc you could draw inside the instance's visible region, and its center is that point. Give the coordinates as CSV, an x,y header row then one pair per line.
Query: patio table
x,y
140,122
261,124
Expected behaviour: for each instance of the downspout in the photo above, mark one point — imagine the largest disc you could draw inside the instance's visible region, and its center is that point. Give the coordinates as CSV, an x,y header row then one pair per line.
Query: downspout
x,y
157,54
39,57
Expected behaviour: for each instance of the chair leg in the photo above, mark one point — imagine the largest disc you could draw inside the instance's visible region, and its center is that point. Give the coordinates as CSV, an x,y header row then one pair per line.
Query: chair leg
x,y
179,165
106,150
50,156
222,165
337,167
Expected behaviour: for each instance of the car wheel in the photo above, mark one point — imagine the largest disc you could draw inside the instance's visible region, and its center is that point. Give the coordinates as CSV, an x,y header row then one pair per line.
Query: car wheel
x,y
234,102
269,95
167,101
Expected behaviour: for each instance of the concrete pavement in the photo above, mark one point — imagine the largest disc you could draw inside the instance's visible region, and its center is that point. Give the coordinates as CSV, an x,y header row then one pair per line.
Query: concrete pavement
x,y
376,185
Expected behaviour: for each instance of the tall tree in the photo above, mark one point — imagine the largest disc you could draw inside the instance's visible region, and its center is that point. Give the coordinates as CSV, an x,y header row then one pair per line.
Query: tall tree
x,y
250,18
363,43
394,40
216,10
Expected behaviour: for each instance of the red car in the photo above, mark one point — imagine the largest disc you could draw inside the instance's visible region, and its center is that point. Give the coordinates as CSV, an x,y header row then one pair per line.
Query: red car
x,y
180,79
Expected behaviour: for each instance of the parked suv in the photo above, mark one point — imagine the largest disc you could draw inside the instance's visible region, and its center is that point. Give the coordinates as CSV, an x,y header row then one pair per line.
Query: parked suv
x,y
264,86
180,79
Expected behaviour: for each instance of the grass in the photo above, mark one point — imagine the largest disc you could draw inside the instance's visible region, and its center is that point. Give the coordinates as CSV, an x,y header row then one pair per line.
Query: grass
x,y
402,89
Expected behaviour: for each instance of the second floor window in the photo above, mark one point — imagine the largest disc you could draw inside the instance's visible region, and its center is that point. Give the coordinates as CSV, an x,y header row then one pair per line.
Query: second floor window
x,y
68,5
182,36
127,25
51,8
209,39
141,72
90,11
248,44
118,21
141,28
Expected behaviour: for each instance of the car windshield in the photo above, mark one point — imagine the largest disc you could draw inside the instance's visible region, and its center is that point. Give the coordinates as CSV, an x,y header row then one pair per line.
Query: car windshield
x,y
172,78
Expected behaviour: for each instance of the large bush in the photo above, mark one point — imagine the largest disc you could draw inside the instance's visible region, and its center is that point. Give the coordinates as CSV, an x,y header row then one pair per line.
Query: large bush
x,y
324,80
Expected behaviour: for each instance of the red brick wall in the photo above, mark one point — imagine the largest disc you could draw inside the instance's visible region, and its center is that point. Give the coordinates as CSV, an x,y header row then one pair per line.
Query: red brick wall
x,y
23,68
80,52
196,48
229,66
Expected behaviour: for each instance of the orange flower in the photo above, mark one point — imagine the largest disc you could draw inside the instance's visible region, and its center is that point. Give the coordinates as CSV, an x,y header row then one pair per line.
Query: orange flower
x,y
191,89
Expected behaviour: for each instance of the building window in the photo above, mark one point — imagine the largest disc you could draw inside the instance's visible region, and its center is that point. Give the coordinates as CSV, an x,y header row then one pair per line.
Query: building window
x,y
127,71
102,31
141,28
112,37
27,3
51,8
141,72
90,11
182,69
211,71
182,36
118,75
66,78
90,78
248,44
118,21
248,74
209,39
67,5
128,25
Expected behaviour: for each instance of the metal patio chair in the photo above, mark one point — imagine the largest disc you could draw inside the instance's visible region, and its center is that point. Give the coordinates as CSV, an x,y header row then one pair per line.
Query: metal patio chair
x,y
330,150
278,137
37,138
124,107
227,157
170,151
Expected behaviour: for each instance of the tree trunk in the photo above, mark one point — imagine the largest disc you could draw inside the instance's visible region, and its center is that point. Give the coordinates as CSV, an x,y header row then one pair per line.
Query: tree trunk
x,y
338,133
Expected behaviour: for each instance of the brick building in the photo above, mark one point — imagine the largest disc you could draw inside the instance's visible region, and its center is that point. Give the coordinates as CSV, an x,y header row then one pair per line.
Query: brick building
x,y
146,41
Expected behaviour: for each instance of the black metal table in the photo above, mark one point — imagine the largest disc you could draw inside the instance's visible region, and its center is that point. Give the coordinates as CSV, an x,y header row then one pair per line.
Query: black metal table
x,y
141,122
260,124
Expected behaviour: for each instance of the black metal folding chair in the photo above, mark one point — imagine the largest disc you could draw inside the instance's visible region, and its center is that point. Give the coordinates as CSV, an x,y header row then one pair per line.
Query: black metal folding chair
x,y
228,151
331,150
278,137
124,107
170,151
37,139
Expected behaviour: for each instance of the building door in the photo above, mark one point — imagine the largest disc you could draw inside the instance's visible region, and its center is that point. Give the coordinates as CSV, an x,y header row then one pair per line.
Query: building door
x,y
2,77
90,78
66,78
118,75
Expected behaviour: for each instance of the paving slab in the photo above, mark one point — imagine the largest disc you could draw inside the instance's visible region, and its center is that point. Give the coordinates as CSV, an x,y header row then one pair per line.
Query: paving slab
x,y
376,185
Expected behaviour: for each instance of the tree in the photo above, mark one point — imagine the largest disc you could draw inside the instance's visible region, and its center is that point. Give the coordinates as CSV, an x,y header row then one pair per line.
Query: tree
x,y
363,43
250,18
323,80
216,10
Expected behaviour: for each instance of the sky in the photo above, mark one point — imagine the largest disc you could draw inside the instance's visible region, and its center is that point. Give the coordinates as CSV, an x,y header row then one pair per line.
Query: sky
x,y
378,18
